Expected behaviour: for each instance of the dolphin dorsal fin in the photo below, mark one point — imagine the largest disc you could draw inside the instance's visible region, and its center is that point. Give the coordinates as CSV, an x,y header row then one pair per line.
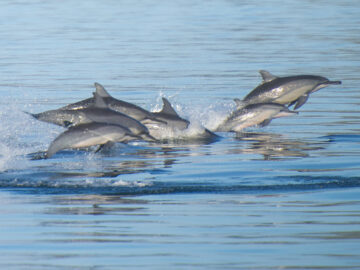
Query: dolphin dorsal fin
x,y
99,101
267,76
167,108
100,90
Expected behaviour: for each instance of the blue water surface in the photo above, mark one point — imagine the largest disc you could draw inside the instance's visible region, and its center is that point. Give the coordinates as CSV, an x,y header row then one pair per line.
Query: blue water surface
x,y
285,196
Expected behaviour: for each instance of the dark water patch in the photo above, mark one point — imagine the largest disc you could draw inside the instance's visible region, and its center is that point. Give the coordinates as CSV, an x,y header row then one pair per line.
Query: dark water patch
x,y
343,138
121,187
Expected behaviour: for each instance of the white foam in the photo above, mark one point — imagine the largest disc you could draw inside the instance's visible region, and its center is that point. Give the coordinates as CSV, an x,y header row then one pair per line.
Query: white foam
x,y
105,182
19,136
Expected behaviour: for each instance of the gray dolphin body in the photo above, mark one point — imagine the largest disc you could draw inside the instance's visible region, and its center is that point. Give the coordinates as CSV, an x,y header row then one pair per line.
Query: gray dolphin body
x,y
169,116
286,90
254,114
124,107
171,121
87,135
97,112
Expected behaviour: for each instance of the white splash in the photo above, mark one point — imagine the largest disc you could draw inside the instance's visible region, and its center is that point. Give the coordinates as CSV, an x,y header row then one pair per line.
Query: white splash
x,y
19,136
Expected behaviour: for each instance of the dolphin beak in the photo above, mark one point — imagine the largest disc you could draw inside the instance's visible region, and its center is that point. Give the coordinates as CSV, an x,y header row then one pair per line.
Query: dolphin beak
x,y
324,84
333,82
286,113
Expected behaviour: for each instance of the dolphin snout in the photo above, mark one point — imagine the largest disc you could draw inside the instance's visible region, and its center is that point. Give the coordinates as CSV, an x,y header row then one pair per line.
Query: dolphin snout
x,y
286,113
333,82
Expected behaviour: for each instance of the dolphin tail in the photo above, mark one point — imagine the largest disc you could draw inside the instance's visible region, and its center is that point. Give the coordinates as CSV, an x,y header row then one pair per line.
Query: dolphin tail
x,y
35,115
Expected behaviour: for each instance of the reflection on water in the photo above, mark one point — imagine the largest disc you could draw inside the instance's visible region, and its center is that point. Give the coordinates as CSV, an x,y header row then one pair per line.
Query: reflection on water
x,y
70,168
180,231
275,146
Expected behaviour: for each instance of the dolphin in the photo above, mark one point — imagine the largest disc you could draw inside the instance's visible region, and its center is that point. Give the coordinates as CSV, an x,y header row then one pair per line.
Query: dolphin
x,y
124,107
176,126
170,116
87,135
286,90
169,122
97,112
259,114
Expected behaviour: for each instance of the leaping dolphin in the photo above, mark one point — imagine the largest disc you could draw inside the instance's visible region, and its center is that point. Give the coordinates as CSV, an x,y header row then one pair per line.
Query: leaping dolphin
x,y
170,116
97,112
87,135
121,106
259,114
286,90
174,125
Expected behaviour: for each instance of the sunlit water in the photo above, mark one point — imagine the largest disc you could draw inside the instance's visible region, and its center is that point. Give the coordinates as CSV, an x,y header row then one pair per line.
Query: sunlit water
x,y
281,197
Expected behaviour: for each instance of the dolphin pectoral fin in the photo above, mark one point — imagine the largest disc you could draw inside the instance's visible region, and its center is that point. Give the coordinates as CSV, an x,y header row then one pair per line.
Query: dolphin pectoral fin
x,y
105,146
267,76
301,101
265,123
292,103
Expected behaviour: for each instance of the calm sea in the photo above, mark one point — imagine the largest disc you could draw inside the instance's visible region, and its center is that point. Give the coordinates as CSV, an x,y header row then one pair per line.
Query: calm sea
x,y
281,197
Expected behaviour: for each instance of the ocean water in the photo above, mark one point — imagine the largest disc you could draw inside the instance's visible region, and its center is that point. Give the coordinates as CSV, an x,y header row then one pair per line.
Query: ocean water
x,y
285,196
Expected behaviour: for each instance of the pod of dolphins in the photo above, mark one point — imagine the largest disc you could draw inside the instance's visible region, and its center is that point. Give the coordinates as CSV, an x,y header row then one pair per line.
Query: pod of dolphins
x,y
103,120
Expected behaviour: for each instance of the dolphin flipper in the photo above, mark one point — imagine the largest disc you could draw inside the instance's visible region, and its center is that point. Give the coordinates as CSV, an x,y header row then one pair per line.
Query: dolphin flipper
x,y
105,146
265,123
300,101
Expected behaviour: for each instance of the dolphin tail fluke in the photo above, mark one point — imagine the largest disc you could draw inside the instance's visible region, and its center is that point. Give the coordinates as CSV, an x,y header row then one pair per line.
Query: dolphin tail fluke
x,y
35,115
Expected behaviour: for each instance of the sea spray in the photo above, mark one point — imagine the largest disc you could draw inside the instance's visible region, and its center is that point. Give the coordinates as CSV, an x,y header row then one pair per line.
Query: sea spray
x,y
20,135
